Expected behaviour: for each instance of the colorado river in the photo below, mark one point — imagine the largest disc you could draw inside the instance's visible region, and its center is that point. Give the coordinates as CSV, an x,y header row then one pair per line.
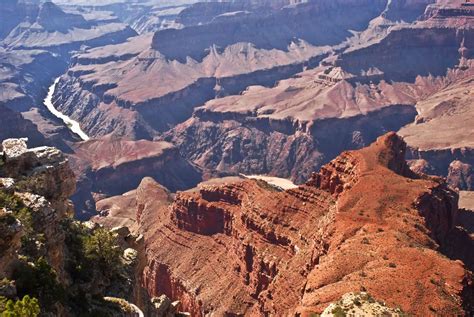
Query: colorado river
x,y
71,124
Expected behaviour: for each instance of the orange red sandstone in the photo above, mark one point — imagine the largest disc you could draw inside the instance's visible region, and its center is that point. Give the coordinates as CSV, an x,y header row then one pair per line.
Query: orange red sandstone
x,y
365,222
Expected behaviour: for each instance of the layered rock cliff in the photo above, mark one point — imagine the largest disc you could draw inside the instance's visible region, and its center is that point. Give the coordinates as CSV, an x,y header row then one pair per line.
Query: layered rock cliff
x,y
37,39
447,151
195,64
368,82
42,182
287,252
66,265
387,77
112,166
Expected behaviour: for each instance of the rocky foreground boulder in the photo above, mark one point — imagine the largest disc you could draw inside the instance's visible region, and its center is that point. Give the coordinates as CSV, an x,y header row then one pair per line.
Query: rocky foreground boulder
x,y
365,223
58,266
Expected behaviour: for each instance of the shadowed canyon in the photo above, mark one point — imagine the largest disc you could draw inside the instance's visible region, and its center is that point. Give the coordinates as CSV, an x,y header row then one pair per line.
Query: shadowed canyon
x,y
236,158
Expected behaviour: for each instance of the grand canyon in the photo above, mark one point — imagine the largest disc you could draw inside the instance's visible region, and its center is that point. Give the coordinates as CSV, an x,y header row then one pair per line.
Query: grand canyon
x,y
236,158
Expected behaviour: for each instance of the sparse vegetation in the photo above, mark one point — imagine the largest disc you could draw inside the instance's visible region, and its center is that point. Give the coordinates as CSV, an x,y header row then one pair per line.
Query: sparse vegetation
x,y
338,311
361,304
91,255
123,304
26,307
102,248
39,279
99,249
77,264
13,203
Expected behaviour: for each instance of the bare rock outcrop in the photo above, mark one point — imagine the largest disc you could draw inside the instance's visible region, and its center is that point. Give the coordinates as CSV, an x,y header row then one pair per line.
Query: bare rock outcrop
x,y
46,254
359,304
286,252
112,166
42,171
461,175
41,181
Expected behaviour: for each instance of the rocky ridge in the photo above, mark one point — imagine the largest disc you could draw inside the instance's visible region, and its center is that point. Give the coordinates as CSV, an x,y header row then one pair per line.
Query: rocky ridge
x,y
349,100
111,166
47,255
212,68
45,182
290,248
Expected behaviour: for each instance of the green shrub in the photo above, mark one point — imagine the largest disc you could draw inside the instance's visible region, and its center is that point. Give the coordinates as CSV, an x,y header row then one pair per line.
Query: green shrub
x,y
79,267
3,303
39,280
20,211
10,201
102,247
26,307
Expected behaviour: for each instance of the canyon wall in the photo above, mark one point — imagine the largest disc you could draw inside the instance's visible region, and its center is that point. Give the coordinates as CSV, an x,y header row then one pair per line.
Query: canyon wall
x,y
229,142
112,166
37,41
286,252
302,123
109,99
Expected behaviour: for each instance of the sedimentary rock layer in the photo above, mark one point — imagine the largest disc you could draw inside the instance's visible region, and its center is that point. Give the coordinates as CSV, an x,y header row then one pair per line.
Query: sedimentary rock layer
x,y
112,166
359,224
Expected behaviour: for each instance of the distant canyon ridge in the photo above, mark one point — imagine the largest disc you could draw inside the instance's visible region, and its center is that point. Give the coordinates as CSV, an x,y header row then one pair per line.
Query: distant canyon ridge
x,y
253,87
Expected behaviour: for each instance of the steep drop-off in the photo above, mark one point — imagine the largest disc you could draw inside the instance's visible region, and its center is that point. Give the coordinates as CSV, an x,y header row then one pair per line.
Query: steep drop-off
x,y
111,166
69,268
447,151
195,64
365,222
418,73
36,42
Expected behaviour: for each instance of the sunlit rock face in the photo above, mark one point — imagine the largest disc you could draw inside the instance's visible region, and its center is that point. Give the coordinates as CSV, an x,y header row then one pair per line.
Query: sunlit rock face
x,y
286,252
43,181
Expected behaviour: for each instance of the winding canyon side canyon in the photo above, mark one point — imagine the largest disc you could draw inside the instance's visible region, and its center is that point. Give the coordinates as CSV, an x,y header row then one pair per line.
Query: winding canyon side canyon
x,y
236,158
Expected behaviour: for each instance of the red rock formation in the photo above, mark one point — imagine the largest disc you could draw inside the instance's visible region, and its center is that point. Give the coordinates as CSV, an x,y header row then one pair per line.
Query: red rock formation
x,y
112,166
245,248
